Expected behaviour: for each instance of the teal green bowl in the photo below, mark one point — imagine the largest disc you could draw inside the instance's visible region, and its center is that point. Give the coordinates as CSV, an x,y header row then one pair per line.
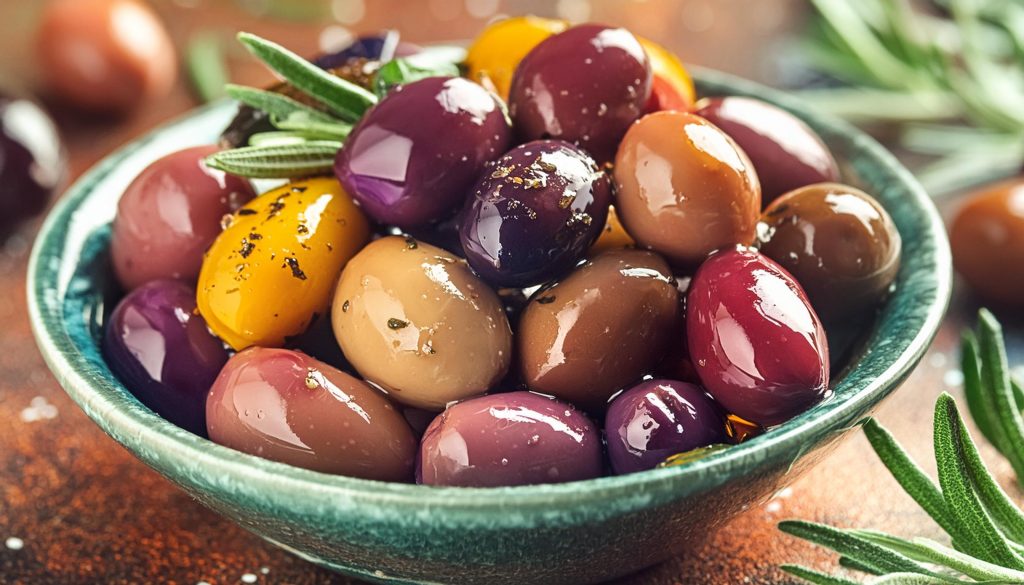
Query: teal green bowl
x,y
580,532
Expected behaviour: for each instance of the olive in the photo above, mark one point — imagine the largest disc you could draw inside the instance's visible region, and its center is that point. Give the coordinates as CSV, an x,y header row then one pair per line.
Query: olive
x,y
160,349
497,51
757,345
585,85
285,406
786,153
377,47
169,215
684,189
413,319
656,419
613,236
987,236
671,84
515,438
105,55
32,163
534,214
415,155
270,273
599,329
839,244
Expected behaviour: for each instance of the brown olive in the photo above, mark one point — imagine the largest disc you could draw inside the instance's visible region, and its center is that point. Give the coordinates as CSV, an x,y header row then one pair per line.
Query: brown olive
x,y
600,329
413,319
987,237
839,244
684,189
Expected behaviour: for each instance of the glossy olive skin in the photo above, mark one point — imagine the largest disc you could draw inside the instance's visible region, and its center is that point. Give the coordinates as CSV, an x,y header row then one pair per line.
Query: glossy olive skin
x,y
759,348
414,156
499,48
158,346
413,319
987,237
33,163
684,188
170,214
285,406
671,85
585,85
839,244
534,213
599,329
514,438
786,153
657,419
270,273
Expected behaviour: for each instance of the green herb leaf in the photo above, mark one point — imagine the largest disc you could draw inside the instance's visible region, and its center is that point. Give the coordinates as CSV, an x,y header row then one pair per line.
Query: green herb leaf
x,y
274,104
929,551
815,577
409,69
204,60
313,128
279,161
344,98
855,547
279,138
995,374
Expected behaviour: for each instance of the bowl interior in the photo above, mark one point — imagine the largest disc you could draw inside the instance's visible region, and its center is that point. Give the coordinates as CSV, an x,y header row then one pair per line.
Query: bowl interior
x,y
70,289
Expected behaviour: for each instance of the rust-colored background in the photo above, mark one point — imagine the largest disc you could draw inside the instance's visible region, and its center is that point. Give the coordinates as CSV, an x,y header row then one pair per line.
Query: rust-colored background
x,y
84,511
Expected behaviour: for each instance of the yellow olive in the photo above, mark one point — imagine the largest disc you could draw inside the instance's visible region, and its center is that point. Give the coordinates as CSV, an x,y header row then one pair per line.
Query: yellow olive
x,y
272,269
416,321
497,51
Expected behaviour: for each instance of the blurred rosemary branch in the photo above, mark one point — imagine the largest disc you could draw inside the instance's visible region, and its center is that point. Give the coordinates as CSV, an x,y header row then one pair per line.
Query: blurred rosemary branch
x,y
949,74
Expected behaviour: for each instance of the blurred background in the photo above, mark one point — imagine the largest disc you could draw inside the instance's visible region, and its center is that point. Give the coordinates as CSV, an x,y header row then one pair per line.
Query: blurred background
x,y
940,82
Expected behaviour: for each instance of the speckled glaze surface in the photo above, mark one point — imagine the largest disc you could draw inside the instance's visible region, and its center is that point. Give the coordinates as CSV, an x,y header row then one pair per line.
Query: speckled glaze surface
x,y
579,532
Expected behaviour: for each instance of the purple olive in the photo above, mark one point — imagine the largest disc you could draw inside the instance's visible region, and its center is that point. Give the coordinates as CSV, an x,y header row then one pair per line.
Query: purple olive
x,y
585,85
516,438
286,406
659,418
31,160
415,155
535,213
159,347
758,346
380,47
785,152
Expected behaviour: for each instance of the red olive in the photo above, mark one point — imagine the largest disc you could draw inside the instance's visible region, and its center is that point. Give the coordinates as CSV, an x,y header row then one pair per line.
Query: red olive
x,y
987,237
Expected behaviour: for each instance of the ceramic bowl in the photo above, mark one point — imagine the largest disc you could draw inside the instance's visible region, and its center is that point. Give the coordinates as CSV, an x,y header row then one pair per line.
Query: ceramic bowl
x,y
580,532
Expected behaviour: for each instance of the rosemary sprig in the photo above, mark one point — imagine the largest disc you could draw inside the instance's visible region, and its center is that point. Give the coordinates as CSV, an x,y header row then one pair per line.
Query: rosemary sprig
x,y
312,157
984,524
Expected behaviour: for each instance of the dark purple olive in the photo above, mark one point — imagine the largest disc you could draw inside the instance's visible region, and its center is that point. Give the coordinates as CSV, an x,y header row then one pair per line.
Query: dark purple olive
x,y
516,438
758,346
380,47
585,85
534,213
657,419
31,160
286,406
785,152
159,347
415,155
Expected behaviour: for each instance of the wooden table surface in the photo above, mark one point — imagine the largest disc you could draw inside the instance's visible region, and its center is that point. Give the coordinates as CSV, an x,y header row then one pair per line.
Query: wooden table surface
x,y
77,508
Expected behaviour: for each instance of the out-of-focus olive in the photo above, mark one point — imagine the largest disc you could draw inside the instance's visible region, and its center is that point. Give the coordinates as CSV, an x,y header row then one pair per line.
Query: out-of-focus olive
x,y
169,215
613,236
285,406
671,84
414,319
987,236
684,189
497,51
786,153
585,85
271,271
106,55
534,214
158,346
32,161
656,419
757,344
415,155
839,244
376,47
599,329
515,438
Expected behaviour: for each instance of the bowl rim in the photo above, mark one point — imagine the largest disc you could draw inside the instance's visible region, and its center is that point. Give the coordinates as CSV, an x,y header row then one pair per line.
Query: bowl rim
x,y
277,483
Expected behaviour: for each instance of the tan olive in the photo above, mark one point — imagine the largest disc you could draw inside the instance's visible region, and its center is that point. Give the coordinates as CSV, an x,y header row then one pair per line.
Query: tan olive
x,y
987,237
599,329
684,189
413,319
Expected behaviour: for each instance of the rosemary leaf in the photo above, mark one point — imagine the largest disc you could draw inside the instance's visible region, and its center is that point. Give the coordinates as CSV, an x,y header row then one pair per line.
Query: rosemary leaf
x,y
979,400
913,579
204,62
313,128
279,138
855,547
858,566
277,162
1000,507
409,69
929,551
996,376
273,103
344,98
815,577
